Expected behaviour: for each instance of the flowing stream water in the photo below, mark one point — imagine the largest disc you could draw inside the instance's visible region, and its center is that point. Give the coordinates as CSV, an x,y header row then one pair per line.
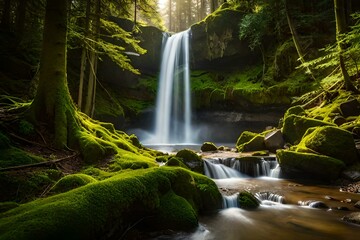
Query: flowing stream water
x,y
285,211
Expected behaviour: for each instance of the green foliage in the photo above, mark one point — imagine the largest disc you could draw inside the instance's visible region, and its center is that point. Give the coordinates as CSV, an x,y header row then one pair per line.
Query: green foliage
x,y
247,200
89,211
72,181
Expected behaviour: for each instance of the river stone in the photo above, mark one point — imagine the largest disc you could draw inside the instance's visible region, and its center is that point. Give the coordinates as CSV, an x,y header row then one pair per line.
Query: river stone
x,y
191,160
350,108
352,218
274,140
357,204
351,175
208,147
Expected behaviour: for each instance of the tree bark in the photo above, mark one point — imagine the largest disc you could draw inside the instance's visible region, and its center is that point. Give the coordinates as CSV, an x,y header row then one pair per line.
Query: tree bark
x,y
52,105
341,28
84,56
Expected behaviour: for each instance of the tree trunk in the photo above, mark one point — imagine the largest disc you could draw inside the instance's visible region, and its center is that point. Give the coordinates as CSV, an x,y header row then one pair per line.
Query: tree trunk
x,y
5,18
91,91
83,56
135,12
341,27
295,38
170,16
52,105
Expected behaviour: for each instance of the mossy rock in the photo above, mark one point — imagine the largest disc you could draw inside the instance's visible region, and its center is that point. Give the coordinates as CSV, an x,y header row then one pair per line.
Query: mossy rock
x,y
6,206
176,162
191,160
72,181
208,147
245,137
295,127
255,144
247,200
95,210
311,165
333,142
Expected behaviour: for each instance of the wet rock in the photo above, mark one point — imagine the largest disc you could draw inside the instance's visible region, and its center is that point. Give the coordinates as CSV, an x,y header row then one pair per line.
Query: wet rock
x,y
352,187
339,120
350,108
351,175
247,200
313,204
357,204
331,198
352,218
274,140
208,147
343,208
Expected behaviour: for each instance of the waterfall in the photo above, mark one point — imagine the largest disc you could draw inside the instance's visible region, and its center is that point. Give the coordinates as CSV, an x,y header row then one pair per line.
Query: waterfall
x,y
222,168
268,196
173,106
230,201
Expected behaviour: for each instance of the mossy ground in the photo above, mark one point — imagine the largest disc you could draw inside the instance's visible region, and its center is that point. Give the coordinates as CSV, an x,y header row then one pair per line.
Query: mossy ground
x,y
90,211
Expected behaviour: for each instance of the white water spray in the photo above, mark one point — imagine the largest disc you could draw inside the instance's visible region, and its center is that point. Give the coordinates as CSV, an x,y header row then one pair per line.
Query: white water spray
x,y
173,107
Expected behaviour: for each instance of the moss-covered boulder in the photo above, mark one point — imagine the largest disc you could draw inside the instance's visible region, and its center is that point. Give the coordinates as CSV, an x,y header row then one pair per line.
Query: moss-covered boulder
x,y
245,136
191,159
311,165
332,141
208,147
247,200
176,162
255,144
171,196
72,181
295,126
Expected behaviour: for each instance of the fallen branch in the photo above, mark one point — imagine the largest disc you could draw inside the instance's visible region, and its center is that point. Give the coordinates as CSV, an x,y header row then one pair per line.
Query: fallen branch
x,y
40,164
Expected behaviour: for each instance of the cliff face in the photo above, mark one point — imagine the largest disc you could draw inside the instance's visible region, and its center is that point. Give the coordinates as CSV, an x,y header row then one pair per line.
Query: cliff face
x,y
215,42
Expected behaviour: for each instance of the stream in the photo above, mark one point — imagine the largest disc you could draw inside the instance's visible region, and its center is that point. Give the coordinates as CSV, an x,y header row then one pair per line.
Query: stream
x,y
289,209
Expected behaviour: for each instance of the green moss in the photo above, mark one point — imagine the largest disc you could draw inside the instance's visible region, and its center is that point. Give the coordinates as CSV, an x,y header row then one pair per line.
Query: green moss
x,y
176,213
245,137
6,206
255,144
333,142
191,160
107,103
295,127
261,153
176,162
92,211
26,128
97,173
72,181
247,200
13,156
128,160
316,165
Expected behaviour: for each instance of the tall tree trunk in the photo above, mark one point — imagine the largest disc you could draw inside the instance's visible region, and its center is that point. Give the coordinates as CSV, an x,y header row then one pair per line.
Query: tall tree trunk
x,y
135,12
203,9
20,18
5,18
295,38
90,98
341,27
84,56
170,16
52,104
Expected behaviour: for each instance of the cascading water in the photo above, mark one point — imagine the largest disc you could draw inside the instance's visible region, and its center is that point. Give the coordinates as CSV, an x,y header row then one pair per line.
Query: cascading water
x,y
173,106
